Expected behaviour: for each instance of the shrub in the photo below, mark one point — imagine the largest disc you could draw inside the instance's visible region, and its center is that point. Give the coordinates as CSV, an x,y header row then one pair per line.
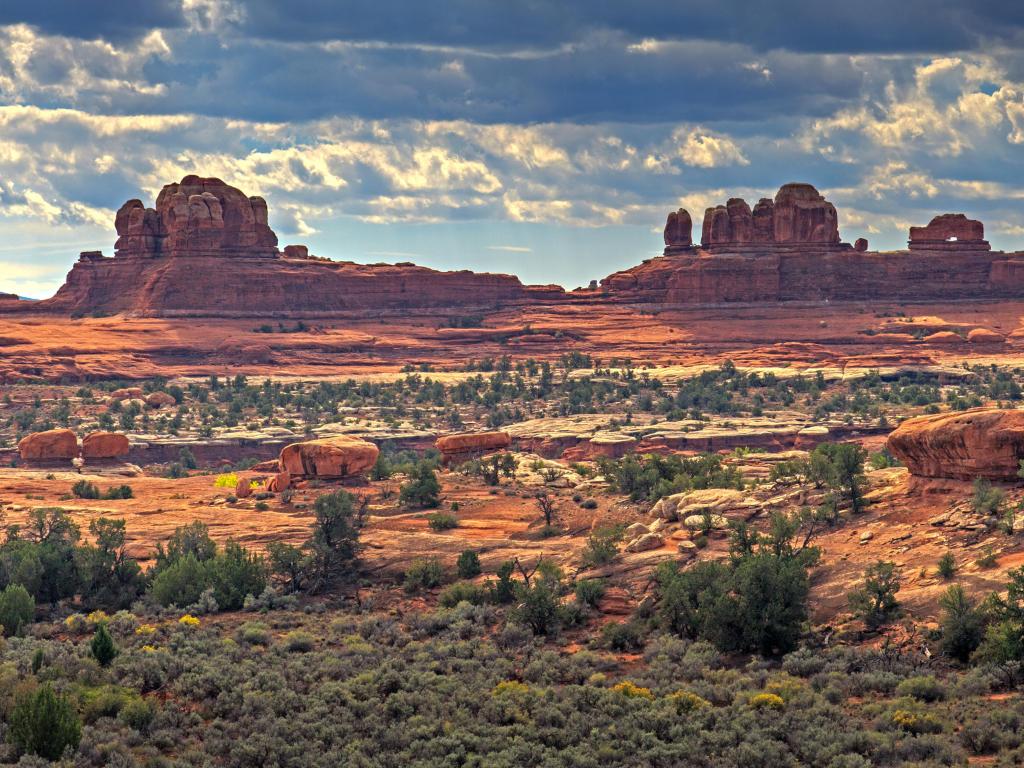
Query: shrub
x,y
686,701
602,546
462,591
442,521
43,723
17,608
963,625
947,566
298,641
137,713
254,633
589,504
83,489
423,573
102,646
468,564
235,573
876,602
422,489
766,701
180,583
986,499
590,591
118,492
923,688
623,636
632,690
229,480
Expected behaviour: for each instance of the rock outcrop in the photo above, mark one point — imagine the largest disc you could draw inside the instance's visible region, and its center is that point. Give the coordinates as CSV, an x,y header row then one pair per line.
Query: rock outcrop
x,y
195,217
104,445
207,248
51,445
329,457
798,215
981,442
468,445
950,231
678,232
788,249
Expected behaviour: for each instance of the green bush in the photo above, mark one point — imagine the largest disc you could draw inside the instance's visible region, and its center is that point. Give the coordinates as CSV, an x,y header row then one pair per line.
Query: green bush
x,y
298,641
254,633
83,489
43,723
180,583
424,573
102,646
137,713
423,488
118,492
947,566
602,546
17,609
963,625
463,591
468,564
590,591
442,521
923,688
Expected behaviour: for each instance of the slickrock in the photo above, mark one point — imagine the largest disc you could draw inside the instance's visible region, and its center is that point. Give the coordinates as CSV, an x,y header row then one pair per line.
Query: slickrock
x,y
981,442
105,445
985,336
329,457
50,445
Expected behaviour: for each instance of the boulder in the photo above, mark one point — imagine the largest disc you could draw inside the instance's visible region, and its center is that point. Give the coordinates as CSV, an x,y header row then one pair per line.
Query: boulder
x,y
943,337
984,336
329,457
282,481
696,522
51,445
126,393
467,445
243,488
104,445
160,399
981,442
687,503
645,542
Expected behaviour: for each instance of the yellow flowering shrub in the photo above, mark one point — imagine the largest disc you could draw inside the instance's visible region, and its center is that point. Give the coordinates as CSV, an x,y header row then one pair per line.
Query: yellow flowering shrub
x,y
686,701
632,690
188,620
766,701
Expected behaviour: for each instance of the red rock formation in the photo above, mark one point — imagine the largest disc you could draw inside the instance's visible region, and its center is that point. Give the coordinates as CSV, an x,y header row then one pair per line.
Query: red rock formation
x,y
860,244
788,249
206,248
104,445
329,457
982,442
52,445
467,445
798,216
949,231
678,231
199,216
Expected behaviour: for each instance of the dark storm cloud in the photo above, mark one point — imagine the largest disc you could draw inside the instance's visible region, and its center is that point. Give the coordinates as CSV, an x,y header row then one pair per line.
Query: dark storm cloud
x,y
801,25
114,20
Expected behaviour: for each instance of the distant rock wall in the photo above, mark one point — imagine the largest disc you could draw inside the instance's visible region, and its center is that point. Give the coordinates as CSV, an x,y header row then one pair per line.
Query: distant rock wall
x,y
207,248
788,249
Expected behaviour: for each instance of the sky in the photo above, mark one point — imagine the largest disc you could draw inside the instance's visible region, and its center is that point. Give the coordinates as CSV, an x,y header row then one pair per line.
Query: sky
x,y
545,138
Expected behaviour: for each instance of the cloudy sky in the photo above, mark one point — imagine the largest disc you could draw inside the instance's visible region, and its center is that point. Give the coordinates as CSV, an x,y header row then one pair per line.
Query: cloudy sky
x,y
547,138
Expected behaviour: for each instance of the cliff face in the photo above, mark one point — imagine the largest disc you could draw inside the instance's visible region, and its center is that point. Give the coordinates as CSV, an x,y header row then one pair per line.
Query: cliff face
x,y
788,249
206,248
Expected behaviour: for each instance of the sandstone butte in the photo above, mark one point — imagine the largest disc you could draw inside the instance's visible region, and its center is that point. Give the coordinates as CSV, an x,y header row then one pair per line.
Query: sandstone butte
x,y
329,457
51,445
206,249
981,442
466,445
